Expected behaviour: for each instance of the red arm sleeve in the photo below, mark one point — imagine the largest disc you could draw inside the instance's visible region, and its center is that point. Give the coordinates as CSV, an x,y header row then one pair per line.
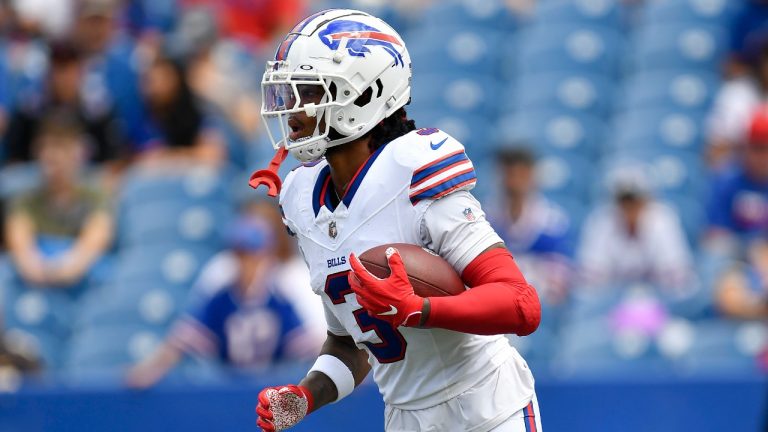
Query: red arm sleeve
x,y
500,300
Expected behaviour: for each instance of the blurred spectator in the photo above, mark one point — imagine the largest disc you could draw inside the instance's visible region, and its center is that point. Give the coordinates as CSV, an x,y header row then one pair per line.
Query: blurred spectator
x,y
252,23
748,31
110,63
292,275
245,323
635,238
224,76
63,92
738,207
50,18
176,127
535,230
742,292
729,119
289,273
63,210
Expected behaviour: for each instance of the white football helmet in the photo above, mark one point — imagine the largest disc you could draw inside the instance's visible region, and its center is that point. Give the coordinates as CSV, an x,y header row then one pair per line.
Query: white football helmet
x,y
346,68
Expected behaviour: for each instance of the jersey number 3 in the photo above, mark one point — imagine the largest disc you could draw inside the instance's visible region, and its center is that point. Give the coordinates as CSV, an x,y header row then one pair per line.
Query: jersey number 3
x,y
392,346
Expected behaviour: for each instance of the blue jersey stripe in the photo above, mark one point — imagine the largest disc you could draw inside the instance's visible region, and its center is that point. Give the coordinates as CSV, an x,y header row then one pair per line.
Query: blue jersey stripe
x,y
324,173
425,172
444,186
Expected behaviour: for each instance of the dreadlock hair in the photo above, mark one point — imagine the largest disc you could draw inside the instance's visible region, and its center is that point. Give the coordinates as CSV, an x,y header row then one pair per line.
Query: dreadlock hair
x,y
390,128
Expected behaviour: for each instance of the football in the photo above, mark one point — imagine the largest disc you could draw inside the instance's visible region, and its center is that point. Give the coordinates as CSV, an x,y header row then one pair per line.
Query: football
x,y
430,275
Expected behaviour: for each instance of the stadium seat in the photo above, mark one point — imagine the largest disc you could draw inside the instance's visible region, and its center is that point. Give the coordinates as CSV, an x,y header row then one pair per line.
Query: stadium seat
x,y
182,220
678,46
44,310
688,90
570,47
567,91
456,94
469,51
551,131
715,345
670,172
715,12
674,129
18,178
149,185
111,346
564,175
169,264
601,12
478,14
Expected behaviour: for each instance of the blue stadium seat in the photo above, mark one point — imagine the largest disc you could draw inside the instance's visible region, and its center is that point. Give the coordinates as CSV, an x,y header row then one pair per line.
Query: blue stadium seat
x,y
718,12
147,302
551,131
591,346
678,46
170,265
455,93
670,172
43,310
670,128
182,220
602,12
570,47
568,91
673,89
111,346
470,51
463,14
564,175
198,183
717,345
18,178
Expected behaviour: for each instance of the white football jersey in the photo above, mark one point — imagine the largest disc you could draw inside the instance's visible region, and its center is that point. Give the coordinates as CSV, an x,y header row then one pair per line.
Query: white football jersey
x,y
395,198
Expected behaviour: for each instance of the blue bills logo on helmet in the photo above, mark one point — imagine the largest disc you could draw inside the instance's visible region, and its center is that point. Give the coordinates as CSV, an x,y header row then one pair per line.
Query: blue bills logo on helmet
x,y
359,37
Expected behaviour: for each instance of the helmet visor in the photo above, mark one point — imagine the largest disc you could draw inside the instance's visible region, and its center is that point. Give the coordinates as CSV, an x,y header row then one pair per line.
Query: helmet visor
x,y
293,95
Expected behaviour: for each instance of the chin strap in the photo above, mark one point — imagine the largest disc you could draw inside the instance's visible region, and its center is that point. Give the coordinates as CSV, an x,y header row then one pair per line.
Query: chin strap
x,y
269,176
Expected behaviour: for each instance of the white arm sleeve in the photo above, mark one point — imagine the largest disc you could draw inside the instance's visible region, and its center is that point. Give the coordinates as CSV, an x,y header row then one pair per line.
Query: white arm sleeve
x,y
456,229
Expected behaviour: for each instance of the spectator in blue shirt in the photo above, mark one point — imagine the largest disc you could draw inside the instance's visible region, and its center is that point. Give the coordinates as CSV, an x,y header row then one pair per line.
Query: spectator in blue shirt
x,y
738,208
246,324
535,229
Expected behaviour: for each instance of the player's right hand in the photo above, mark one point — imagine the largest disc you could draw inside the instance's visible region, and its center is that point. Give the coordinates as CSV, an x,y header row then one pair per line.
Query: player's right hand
x,y
282,407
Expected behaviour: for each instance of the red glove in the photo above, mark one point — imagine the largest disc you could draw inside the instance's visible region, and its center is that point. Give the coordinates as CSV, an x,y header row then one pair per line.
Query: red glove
x,y
282,407
391,299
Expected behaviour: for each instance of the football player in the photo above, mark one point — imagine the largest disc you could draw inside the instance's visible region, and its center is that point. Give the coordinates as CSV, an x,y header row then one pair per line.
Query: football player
x,y
333,98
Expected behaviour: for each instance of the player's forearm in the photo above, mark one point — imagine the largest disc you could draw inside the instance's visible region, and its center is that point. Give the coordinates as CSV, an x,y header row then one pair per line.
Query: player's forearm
x,y
500,301
323,389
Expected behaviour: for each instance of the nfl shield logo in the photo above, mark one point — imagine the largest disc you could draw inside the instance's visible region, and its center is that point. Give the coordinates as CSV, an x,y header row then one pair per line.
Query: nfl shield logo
x,y
468,214
332,231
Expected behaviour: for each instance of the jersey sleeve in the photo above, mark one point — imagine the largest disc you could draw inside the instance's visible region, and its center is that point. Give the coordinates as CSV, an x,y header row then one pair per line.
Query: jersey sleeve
x,y
333,323
455,228
438,163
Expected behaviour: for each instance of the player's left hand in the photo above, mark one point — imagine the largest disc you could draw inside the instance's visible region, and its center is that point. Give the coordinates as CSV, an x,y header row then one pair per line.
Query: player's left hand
x,y
282,407
391,299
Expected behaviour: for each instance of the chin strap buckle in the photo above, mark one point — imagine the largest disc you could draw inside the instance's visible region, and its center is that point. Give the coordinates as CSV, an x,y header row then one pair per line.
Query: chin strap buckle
x,y
269,177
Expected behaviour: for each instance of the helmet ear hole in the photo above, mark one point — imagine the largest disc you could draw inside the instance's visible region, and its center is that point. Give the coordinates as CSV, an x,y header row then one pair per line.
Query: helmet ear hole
x,y
365,98
380,87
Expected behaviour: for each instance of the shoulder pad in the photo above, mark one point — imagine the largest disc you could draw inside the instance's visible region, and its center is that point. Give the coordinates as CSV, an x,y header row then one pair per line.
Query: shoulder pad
x,y
437,161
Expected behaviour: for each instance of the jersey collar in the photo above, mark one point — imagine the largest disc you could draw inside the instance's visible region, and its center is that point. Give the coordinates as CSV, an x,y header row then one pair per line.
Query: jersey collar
x,y
321,196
